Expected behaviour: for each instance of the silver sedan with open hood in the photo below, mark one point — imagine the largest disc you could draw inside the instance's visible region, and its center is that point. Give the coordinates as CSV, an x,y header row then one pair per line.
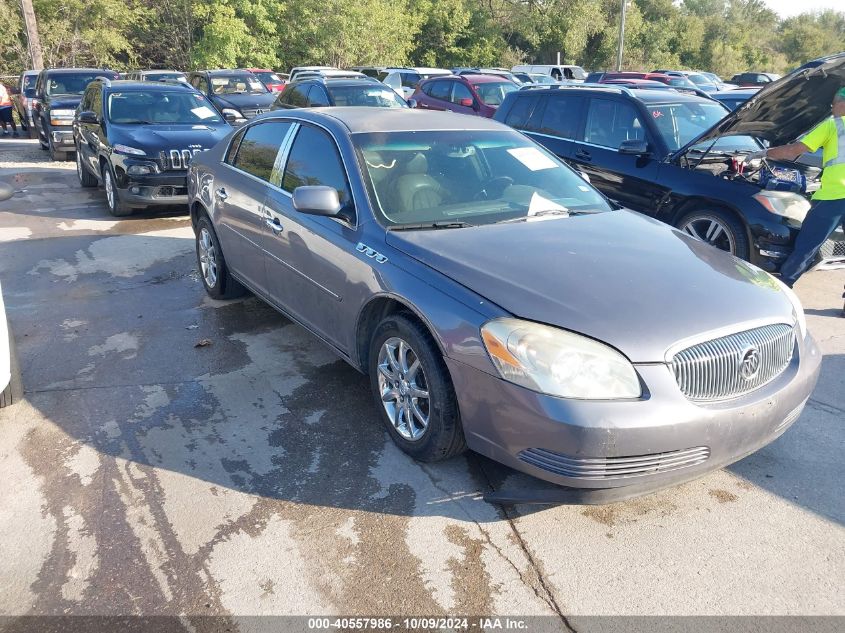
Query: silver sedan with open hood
x,y
498,302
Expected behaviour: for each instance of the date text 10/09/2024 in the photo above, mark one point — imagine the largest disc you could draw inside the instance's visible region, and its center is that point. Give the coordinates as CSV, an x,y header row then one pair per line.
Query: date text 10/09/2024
x,y
418,623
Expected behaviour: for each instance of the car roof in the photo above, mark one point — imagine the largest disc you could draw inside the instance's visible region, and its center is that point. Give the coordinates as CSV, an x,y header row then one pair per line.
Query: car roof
x,y
341,82
483,79
224,71
360,119
131,85
64,71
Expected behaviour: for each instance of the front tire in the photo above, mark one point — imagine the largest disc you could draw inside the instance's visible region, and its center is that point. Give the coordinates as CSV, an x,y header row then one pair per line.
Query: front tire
x,y
117,207
55,154
413,391
214,270
718,228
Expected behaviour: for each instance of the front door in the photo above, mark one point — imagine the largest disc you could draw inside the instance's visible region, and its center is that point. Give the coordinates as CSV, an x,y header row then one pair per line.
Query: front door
x,y
239,190
629,180
312,262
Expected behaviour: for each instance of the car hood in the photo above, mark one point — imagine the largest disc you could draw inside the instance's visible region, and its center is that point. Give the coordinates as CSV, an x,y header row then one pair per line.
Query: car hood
x,y
248,101
620,277
65,102
785,109
156,138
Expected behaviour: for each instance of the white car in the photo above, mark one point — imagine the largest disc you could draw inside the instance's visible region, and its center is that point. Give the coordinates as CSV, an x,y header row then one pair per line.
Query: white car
x,y
404,80
300,69
559,72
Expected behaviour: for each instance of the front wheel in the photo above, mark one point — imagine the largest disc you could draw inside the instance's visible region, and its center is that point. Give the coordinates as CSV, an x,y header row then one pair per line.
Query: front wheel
x,y
117,207
413,391
718,228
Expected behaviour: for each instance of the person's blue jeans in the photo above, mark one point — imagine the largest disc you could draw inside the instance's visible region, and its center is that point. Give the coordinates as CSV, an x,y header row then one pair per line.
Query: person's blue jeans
x,y
822,219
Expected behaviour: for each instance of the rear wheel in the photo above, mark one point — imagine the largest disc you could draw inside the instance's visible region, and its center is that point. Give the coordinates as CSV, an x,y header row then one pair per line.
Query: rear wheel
x,y
117,207
413,390
86,178
718,228
214,270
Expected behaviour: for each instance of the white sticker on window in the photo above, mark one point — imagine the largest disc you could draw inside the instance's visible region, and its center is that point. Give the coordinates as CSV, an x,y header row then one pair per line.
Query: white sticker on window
x,y
203,112
532,158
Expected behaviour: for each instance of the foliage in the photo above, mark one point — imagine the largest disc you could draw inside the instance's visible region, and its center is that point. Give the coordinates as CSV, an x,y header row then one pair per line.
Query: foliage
x,y
726,36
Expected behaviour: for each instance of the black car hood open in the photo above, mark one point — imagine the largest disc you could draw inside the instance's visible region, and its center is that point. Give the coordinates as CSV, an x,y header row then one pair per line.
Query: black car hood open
x,y
786,108
620,277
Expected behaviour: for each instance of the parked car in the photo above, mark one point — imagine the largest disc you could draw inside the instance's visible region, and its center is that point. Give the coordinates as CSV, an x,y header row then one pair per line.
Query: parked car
x,y
700,81
721,84
535,78
498,302
732,99
496,72
155,75
137,139
750,79
321,92
57,93
468,94
815,63
638,84
299,69
237,94
271,80
679,157
24,100
678,82
558,72
404,80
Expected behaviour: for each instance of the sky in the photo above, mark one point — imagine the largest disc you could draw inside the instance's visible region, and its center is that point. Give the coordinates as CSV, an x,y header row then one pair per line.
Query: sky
x,y
787,8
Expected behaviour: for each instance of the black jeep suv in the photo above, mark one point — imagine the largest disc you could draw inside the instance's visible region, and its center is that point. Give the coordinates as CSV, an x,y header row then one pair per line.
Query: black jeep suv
x,y
237,94
57,93
682,158
138,138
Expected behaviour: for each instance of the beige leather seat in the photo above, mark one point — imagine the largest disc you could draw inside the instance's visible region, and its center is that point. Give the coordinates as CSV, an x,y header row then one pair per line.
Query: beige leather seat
x,y
415,189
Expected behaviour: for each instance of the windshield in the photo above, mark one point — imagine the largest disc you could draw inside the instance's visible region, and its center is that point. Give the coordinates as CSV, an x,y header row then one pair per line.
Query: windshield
x,y
70,84
472,177
542,79
699,80
157,106
373,96
269,78
493,93
161,76
680,123
681,82
29,85
578,72
236,85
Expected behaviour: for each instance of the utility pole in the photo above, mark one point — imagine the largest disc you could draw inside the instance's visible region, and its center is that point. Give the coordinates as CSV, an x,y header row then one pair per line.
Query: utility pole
x,y
621,36
32,38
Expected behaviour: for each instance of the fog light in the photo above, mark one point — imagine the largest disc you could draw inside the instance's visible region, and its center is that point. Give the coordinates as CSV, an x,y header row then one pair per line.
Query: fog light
x,y
134,190
139,170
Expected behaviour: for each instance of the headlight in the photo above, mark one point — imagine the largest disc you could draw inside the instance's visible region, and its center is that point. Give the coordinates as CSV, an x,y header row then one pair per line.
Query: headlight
x,y
233,113
557,362
785,203
140,170
125,149
61,114
798,309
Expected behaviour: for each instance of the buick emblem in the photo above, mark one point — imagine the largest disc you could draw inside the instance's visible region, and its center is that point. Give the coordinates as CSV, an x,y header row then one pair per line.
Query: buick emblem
x,y
749,363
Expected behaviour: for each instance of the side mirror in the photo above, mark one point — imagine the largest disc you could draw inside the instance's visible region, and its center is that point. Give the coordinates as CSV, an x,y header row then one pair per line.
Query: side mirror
x,y
88,117
467,103
412,103
231,118
317,200
634,148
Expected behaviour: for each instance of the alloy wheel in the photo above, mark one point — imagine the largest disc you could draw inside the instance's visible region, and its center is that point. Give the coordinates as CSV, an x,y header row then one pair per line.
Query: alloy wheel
x,y
711,230
78,165
109,186
404,389
208,258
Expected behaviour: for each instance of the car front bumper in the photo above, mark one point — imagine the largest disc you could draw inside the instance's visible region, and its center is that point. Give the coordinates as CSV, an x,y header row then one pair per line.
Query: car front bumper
x,y
664,436
170,188
62,138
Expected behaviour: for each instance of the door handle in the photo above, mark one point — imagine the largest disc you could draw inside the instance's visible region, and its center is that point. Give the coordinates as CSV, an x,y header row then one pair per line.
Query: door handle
x,y
274,225
221,193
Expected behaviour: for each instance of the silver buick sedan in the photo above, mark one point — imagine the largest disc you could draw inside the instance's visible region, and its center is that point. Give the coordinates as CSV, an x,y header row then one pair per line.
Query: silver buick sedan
x,y
498,302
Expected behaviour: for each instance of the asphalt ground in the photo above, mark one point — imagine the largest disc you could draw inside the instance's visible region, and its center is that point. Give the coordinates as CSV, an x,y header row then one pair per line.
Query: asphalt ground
x,y
143,475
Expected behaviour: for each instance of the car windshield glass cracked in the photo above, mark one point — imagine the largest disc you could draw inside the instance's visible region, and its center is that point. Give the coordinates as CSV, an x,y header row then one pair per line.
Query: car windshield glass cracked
x,y
478,177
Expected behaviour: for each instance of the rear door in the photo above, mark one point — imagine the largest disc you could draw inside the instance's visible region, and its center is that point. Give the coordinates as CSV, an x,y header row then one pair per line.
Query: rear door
x,y
630,180
437,93
240,186
557,122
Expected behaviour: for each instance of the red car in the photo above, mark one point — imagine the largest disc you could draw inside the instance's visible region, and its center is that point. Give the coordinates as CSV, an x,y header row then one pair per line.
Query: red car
x,y
270,78
479,95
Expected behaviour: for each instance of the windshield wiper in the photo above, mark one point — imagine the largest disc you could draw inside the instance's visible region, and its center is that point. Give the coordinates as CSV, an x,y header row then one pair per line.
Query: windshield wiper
x,y
537,214
135,122
429,225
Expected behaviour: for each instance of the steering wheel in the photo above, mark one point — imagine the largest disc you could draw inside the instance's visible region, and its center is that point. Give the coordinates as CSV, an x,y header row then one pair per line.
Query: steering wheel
x,y
493,188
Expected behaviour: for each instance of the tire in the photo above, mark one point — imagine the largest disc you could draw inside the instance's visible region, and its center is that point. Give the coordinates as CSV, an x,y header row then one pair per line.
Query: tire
x,y
86,178
427,438
718,227
43,138
214,271
117,207
55,154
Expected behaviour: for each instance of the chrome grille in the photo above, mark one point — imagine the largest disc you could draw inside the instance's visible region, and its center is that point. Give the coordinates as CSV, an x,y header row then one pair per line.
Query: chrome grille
x,y
613,467
178,159
252,112
734,365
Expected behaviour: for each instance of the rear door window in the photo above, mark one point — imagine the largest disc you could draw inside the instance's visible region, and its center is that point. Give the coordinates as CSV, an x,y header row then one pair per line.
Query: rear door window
x,y
296,96
521,111
317,97
259,148
410,80
562,116
459,92
441,90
